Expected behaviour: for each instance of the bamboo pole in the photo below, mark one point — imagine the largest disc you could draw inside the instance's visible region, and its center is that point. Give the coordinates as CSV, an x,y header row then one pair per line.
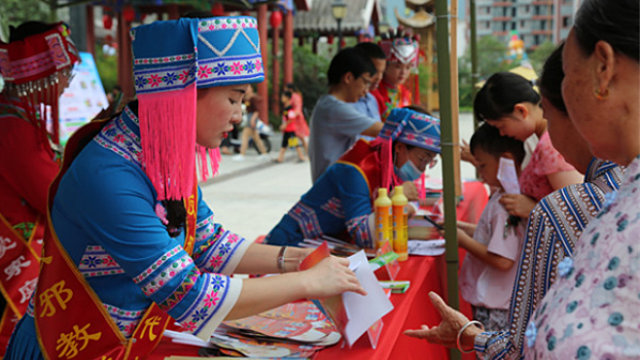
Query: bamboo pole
x,y
447,143
474,54
455,133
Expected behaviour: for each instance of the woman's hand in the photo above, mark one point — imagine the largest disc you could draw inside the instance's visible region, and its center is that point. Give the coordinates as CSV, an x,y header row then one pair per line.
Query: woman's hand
x,y
410,190
517,204
330,277
446,332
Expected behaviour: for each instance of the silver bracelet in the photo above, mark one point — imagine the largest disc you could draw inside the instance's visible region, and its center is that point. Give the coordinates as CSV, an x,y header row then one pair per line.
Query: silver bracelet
x,y
281,258
472,322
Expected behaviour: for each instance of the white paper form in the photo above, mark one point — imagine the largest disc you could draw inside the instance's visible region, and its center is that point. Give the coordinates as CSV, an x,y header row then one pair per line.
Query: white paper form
x,y
508,176
363,311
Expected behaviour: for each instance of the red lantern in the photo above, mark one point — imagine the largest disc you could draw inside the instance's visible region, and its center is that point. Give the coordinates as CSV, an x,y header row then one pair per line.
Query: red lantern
x,y
107,21
128,13
217,9
275,19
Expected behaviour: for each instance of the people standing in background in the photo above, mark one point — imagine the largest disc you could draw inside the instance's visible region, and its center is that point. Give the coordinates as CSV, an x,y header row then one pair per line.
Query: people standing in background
x,y
368,104
335,123
297,106
402,51
289,128
252,105
28,163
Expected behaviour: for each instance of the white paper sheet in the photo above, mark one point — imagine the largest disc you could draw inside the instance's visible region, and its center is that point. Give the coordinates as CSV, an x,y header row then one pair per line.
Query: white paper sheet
x,y
426,247
364,311
508,176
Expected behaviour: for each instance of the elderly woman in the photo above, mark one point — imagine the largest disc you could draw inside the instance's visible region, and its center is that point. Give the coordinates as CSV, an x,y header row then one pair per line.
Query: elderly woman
x,y
589,311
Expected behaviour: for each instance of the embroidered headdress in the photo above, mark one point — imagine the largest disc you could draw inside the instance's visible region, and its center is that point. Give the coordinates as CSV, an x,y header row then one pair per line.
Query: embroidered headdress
x,y
409,127
400,47
33,69
172,59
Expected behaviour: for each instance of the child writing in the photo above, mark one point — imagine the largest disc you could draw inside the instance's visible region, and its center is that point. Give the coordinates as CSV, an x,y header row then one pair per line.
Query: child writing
x,y
488,272
288,128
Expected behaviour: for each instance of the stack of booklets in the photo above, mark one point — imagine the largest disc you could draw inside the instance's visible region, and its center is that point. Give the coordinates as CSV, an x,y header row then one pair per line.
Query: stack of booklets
x,y
292,331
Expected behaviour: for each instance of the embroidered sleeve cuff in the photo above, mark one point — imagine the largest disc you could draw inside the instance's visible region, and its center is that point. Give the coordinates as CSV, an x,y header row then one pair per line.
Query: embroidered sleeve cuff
x,y
217,250
361,230
491,345
237,255
208,326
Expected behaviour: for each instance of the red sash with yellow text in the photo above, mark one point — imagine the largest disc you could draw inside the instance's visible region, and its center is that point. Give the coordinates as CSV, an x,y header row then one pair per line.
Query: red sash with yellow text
x,y
70,319
19,261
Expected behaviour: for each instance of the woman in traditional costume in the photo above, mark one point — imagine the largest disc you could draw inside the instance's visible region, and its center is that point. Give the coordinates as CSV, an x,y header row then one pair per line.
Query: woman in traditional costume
x,y
340,203
132,245
36,66
402,57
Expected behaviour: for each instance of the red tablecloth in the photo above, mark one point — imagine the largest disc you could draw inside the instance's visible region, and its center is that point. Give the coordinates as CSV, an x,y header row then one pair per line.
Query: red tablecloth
x,y
411,310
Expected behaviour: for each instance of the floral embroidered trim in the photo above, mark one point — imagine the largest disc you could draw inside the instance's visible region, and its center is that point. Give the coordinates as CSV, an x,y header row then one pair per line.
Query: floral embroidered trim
x,y
176,296
164,59
205,229
97,262
166,78
226,24
206,304
334,207
218,250
238,68
127,320
307,220
119,138
168,272
358,228
156,265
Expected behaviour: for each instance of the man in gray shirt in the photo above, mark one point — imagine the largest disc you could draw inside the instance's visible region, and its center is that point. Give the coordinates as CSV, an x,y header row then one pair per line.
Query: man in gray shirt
x,y
335,122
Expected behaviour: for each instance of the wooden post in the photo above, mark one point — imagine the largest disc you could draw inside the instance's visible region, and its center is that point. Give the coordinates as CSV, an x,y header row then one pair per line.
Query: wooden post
x,y
455,116
275,80
448,143
263,90
314,46
125,67
91,33
287,53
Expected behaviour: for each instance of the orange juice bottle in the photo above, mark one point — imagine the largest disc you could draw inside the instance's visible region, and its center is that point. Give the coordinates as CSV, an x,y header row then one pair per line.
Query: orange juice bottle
x,y
400,225
384,229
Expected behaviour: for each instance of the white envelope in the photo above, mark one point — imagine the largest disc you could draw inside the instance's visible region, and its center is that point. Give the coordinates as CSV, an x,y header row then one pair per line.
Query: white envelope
x,y
363,311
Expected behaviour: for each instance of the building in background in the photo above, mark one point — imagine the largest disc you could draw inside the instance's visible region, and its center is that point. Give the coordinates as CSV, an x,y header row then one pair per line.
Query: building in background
x,y
535,21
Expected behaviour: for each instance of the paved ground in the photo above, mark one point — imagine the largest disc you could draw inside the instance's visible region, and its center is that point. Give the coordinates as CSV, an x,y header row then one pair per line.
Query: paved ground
x,y
250,197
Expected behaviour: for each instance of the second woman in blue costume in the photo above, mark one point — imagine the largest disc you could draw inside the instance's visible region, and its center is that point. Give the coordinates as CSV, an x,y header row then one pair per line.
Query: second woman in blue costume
x,y
340,203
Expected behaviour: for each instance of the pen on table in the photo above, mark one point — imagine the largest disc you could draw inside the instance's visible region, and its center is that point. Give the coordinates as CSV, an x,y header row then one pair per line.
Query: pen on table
x,y
438,226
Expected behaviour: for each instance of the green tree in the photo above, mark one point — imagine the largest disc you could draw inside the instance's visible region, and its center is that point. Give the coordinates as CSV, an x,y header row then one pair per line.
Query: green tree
x,y
540,55
491,59
107,68
310,76
15,12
